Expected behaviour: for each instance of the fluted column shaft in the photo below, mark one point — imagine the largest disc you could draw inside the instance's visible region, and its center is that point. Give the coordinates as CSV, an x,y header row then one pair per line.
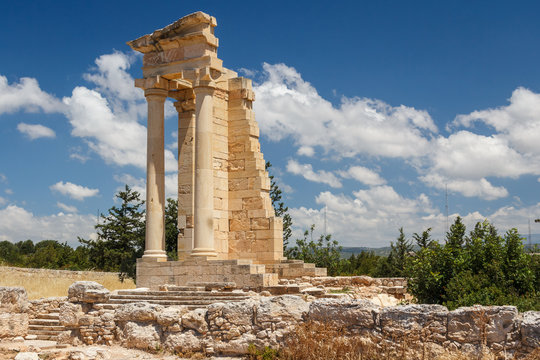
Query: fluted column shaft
x,y
203,242
155,176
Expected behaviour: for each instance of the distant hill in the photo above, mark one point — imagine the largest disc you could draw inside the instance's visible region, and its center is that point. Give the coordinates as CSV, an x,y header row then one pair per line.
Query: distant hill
x,y
347,251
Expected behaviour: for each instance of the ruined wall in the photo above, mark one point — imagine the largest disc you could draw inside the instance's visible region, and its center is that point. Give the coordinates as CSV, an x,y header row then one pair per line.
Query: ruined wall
x,y
255,232
229,328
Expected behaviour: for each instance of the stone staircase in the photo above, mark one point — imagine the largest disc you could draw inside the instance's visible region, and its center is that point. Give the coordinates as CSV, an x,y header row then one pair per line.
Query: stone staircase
x,y
191,296
45,326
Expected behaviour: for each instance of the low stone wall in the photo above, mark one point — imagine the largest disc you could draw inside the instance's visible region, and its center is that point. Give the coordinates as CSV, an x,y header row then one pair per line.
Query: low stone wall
x,y
64,274
45,306
229,328
338,281
13,312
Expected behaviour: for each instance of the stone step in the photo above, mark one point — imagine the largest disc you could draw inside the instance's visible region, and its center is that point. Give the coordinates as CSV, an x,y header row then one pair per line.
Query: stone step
x,y
112,306
48,316
180,293
170,302
44,332
177,297
180,288
46,327
46,337
48,322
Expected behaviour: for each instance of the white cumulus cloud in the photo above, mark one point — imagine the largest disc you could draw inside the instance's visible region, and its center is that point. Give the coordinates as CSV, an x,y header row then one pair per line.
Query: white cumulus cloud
x,y
320,176
363,175
36,131
74,191
67,208
14,221
288,106
26,95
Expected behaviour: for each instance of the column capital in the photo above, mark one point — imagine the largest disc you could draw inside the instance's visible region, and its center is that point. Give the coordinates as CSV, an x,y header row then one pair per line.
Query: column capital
x,y
156,92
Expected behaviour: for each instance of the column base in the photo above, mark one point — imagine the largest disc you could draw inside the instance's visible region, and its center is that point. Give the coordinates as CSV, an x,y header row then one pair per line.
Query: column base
x,y
203,252
156,255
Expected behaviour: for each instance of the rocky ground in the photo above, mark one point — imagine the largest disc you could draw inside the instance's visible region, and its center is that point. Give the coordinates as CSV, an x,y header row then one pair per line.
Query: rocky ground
x,y
36,349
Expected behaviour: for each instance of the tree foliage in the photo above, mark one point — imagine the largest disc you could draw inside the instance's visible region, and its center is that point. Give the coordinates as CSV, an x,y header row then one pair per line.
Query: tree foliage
x,y
281,211
323,252
120,236
481,268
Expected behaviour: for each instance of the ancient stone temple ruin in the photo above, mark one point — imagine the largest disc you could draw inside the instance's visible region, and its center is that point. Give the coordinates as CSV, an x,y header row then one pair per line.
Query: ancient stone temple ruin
x,y
228,228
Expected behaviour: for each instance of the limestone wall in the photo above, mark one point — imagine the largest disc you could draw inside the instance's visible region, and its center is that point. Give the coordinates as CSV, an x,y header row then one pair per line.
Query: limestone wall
x,y
229,328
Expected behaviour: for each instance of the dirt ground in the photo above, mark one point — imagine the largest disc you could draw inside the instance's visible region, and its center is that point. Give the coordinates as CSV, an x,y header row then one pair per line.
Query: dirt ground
x,y
47,350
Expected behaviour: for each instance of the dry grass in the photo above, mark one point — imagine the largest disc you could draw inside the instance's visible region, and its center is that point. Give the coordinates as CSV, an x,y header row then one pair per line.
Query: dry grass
x,y
313,341
43,283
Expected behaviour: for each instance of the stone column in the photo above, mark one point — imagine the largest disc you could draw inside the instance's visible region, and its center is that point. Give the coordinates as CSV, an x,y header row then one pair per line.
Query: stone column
x,y
155,176
203,242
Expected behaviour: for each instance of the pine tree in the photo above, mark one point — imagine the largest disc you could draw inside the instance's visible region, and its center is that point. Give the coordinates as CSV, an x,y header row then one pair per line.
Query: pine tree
x,y
280,210
120,238
399,254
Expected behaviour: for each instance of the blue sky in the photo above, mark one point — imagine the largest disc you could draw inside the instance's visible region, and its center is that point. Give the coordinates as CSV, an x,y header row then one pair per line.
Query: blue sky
x,y
368,111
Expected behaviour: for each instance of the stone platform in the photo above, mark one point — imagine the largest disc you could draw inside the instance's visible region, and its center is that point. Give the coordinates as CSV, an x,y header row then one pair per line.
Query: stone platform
x,y
244,273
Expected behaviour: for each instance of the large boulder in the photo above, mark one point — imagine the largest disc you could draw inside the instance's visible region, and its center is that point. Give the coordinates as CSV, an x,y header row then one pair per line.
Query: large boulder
x,y
88,292
13,299
530,329
141,311
344,312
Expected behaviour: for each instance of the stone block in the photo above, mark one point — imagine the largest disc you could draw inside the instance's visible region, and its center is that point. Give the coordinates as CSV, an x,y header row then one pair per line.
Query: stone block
x,y
260,223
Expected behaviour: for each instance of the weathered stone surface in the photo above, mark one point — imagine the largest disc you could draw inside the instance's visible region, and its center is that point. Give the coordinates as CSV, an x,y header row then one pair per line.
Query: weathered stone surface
x,y
70,314
481,324
13,299
171,315
344,312
183,342
13,324
502,322
196,320
141,311
88,292
27,356
285,308
144,337
415,321
89,354
530,328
